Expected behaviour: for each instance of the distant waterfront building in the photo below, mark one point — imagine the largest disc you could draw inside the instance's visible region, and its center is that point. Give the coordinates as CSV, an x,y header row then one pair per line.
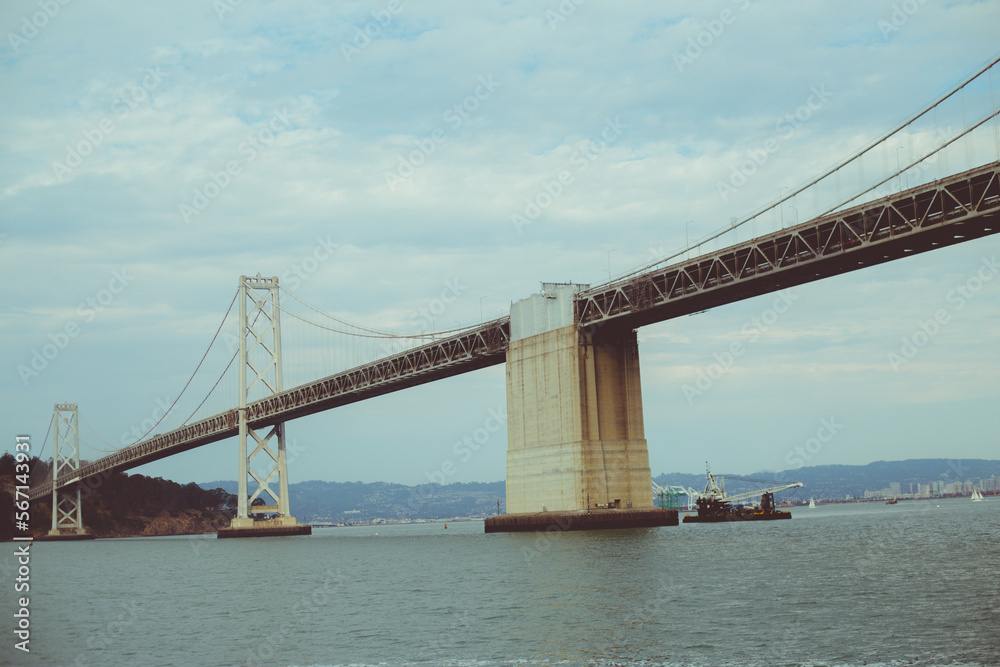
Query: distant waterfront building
x,y
925,490
895,488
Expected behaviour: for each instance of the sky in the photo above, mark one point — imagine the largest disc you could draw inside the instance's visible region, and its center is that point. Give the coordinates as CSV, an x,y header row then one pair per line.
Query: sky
x,y
382,158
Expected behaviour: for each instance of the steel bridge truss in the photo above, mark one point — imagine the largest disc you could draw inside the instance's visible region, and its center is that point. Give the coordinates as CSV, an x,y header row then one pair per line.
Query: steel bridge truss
x,y
948,211
67,508
478,348
260,364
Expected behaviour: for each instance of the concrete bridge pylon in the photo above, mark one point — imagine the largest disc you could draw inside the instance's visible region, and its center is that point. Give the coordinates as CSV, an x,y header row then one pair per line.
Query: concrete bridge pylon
x,y
576,450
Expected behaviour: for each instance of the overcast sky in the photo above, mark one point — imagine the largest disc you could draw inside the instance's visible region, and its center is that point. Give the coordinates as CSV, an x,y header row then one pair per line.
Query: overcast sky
x,y
150,154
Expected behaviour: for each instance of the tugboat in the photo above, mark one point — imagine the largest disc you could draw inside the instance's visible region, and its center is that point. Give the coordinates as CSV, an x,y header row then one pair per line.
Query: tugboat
x,y
714,506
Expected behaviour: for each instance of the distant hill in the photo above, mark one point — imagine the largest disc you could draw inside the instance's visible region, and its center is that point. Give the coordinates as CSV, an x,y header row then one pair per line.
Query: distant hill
x,y
317,501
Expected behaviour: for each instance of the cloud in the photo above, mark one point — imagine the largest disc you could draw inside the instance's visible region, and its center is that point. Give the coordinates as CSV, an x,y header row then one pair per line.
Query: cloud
x,y
213,124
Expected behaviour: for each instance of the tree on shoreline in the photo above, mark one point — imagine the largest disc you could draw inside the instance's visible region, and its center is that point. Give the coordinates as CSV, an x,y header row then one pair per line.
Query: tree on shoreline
x,y
122,505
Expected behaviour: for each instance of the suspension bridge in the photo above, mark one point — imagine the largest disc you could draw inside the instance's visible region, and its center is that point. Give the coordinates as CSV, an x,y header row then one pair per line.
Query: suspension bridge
x,y
575,434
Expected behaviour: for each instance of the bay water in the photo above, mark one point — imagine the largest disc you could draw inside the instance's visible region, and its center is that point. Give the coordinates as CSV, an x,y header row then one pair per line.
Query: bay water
x,y
917,583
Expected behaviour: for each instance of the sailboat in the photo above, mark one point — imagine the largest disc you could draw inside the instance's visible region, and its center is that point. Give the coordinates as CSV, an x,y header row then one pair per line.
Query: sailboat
x,y
812,503
977,496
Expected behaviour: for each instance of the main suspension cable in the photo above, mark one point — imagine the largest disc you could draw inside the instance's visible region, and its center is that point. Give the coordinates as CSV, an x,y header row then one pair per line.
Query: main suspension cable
x,y
188,383
792,194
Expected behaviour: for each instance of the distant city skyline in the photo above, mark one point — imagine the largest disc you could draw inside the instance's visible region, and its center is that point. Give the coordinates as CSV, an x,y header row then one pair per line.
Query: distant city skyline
x,y
936,488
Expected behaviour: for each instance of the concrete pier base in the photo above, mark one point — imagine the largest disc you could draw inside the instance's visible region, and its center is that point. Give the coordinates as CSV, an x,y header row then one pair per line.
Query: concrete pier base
x,y
64,536
581,520
281,527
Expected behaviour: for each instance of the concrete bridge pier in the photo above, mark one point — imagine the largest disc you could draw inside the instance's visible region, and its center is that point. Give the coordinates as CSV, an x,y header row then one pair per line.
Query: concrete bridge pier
x,y
576,450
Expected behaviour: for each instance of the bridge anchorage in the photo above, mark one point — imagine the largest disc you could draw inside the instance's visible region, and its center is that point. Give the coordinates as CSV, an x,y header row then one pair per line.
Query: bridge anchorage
x,y
67,507
260,354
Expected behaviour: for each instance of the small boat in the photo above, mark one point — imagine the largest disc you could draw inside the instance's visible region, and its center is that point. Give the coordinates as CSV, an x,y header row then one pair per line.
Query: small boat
x,y
812,503
977,496
891,501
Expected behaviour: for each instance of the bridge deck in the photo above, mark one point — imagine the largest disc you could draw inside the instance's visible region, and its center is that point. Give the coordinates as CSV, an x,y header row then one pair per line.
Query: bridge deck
x,y
959,208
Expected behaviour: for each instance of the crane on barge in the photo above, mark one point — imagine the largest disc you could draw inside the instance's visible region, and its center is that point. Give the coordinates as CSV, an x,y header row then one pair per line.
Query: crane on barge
x,y
715,506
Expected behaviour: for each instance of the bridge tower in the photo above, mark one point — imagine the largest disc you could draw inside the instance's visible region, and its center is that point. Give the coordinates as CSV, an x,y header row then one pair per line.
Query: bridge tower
x,y
260,371
67,507
576,450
